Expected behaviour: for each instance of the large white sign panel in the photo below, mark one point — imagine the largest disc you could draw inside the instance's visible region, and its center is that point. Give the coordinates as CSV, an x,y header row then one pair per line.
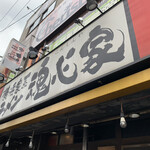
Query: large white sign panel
x,y
13,55
100,48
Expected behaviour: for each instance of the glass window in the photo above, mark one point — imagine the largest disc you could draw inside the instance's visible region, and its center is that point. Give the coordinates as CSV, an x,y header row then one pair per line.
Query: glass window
x,y
37,22
34,25
49,10
31,28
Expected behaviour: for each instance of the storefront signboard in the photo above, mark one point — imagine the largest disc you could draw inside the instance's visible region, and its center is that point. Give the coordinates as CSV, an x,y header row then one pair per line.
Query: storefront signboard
x,y
102,47
13,55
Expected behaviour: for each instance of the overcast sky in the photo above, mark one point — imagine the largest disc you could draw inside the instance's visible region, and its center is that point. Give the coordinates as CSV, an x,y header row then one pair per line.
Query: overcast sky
x,y
14,31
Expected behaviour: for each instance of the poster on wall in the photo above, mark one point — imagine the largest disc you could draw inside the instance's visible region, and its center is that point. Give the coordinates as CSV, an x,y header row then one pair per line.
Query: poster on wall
x,y
13,55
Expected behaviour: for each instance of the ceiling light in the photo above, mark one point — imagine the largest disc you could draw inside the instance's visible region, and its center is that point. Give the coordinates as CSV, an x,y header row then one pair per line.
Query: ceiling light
x,y
66,130
8,141
123,123
7,144
85,125
31,144
134,115
31,141
54,133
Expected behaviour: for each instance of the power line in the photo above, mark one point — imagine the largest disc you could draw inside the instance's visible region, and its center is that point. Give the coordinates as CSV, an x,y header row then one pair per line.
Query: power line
x,y
9,10
17,14
21,18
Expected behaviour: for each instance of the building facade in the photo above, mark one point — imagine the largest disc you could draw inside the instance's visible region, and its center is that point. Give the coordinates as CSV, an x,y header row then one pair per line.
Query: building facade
x,y
88,86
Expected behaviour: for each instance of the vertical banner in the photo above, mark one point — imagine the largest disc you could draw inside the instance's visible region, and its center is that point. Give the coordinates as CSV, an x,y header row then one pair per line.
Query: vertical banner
x,y
13,55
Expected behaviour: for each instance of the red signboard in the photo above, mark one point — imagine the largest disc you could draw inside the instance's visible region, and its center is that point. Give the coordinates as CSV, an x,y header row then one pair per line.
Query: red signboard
x,y
140,14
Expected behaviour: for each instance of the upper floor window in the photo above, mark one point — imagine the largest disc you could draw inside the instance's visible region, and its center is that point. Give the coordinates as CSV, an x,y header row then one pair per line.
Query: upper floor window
x,y
35,24
49,10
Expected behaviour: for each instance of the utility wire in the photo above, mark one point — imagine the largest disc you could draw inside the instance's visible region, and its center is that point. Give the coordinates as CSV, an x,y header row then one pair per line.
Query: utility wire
x,y
17,14
9,10
8,26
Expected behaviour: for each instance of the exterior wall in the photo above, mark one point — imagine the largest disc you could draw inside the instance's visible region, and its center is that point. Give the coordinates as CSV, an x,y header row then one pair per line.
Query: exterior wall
x,y
28,39
33,18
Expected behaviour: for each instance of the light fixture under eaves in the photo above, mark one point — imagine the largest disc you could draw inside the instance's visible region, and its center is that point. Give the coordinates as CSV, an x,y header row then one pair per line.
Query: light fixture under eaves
x,y
2,77
123,123
134,115
31,141
66,130
85,125
91,5
45,48
7,144
79,21
8,141
19,68
33,52
54,133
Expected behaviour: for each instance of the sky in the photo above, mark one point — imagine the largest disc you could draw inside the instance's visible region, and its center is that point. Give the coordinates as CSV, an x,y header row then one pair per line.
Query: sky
x,y
8,16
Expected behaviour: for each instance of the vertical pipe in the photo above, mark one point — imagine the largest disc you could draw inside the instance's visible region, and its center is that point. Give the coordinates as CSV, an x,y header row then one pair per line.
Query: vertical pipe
x,y
85,139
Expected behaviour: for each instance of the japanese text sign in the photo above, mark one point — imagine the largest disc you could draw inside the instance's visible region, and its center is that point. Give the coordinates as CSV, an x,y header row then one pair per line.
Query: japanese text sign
x,y
100,48
13,55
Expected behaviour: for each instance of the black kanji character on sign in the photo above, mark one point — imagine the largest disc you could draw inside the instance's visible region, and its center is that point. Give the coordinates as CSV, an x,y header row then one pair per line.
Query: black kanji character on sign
x,y
40,82
41,87
18,86
25,80
10,105
12,89
5,93
16,101
3,109
61,70
32,84
97,53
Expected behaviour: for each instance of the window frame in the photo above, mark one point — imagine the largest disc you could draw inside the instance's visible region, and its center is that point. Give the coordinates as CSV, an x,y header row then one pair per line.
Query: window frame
x,y
46,12
33,26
